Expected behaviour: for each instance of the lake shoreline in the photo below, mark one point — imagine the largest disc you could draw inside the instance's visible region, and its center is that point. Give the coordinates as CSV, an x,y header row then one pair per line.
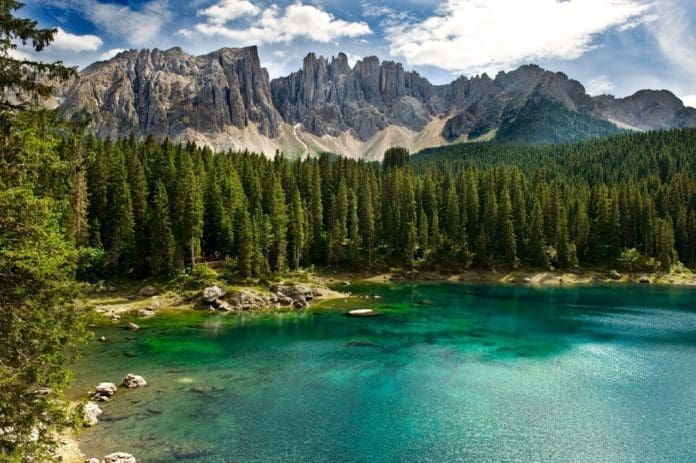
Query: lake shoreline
x,y
530,277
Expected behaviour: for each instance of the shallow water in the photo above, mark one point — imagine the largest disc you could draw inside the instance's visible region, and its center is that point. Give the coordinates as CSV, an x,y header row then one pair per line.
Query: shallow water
x,y
448,372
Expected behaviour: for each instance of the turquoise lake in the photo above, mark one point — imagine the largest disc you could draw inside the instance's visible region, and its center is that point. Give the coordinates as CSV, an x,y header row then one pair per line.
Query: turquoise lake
x,y
448,372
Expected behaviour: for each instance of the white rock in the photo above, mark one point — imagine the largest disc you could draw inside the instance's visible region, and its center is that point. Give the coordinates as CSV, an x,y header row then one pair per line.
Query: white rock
x,y
133,327
211,293
91,413
132,381
120,457
107,389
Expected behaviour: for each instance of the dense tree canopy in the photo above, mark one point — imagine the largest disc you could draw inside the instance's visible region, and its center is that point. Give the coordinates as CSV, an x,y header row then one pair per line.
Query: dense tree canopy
x,y
486,205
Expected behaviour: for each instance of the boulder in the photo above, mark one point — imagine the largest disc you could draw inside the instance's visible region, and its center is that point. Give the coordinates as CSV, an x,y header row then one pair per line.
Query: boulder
x,y
222,305
115,318
614,275
146,313
147,291
90,414
120,457
102,339
132,381
644,280
106,389
92,460
526,280
133,327
211,293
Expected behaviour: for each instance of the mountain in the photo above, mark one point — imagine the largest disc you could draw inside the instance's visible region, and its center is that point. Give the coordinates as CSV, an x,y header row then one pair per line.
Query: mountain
x,y
225,99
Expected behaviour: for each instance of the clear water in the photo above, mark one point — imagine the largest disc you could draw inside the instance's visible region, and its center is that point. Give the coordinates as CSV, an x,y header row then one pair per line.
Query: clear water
x,y
449,372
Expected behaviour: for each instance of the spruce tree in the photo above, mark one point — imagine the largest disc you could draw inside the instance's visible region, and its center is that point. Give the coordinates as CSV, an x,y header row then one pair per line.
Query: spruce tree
x,y
162,253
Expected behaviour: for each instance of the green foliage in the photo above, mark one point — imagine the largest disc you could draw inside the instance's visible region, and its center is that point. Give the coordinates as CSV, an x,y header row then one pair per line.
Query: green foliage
x,y
395,157
92,264
42,208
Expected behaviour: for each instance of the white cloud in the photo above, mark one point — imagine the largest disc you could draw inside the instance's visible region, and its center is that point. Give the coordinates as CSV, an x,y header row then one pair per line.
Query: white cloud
x,y
14,53
227,10
297,20
600,85
185,33
65,41
689,100
675,32
110,53
488,35
138,27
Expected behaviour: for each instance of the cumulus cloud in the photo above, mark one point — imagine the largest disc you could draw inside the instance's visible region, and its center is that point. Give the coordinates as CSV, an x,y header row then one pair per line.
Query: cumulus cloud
x,y
600,85
65,41
110,53
227,10
297,20
488,35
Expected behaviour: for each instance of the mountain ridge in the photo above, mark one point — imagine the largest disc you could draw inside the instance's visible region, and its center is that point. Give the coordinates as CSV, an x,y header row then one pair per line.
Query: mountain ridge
x,y
226,99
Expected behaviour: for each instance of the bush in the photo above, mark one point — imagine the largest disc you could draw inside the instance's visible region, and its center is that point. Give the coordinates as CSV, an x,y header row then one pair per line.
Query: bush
x,y
91,264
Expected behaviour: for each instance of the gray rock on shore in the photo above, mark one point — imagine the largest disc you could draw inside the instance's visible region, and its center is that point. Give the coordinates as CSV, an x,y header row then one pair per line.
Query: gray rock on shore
x,y
147,291
212,293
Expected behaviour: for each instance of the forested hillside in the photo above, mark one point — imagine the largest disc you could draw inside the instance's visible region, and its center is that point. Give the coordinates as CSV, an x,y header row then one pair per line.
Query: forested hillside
x,y
548,122
154,209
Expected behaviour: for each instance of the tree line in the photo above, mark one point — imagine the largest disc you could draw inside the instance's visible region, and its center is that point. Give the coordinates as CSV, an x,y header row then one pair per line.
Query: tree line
x,y
154,209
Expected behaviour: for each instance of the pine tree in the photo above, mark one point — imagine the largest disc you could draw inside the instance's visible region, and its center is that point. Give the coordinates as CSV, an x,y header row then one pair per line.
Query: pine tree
x,y
162,253
537,241
563,246
367,220
119,222
246,246
339,230
296,236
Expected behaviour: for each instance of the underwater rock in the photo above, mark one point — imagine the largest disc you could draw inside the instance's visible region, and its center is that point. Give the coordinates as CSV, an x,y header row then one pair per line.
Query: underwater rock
x,y
133,326
362,313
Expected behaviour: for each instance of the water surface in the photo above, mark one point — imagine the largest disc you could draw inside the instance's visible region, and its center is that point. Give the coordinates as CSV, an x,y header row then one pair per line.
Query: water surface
x,y
449,372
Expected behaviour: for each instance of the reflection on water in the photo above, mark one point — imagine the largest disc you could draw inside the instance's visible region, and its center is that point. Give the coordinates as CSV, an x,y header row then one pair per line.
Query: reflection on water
x,y
449,372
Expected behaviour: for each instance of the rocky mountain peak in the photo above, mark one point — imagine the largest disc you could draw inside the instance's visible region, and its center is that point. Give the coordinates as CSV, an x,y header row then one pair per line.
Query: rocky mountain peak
x,y
169,93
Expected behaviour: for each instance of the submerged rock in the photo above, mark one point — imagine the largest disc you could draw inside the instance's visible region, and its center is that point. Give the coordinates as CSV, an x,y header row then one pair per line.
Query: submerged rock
x,y
361,344
90,414
362,313
133,327
132,381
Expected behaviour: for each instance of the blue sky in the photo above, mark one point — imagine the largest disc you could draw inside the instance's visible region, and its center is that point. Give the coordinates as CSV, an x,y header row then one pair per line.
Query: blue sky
x,y
611,46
